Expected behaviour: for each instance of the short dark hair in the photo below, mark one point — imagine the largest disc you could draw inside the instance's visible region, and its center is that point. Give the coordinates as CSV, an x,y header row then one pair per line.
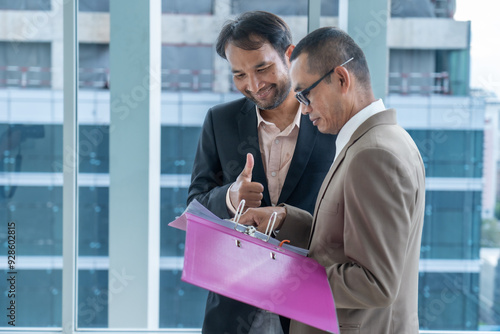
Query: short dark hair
x,y
329,47
251,30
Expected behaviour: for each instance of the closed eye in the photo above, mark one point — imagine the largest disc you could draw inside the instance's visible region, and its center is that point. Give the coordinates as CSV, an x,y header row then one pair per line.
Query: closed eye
x,y
263,69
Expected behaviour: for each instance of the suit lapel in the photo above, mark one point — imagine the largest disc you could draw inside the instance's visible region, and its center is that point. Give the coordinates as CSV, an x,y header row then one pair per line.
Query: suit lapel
x,y
384,117
249,143
322,190
303,149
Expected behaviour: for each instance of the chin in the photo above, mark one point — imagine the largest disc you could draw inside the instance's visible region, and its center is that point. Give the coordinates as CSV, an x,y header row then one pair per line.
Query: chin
x,y
325,130
322,130
266,105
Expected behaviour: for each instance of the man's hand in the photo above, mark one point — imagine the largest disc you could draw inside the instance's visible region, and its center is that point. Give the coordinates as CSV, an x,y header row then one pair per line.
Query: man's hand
x,y
244,188
260,217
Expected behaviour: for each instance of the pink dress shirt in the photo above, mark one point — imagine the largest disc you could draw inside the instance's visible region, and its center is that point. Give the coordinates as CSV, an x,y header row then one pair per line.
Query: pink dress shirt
x,y
276,148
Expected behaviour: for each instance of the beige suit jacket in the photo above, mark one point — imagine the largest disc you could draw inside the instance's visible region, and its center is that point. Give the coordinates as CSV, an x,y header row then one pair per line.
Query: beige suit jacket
x,y
367,228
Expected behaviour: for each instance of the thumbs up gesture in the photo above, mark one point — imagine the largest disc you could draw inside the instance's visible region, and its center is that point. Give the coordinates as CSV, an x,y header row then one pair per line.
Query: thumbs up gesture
x,y
244,188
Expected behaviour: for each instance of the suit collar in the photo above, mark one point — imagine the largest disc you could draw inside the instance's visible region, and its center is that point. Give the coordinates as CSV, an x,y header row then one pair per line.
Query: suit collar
x,y
384,117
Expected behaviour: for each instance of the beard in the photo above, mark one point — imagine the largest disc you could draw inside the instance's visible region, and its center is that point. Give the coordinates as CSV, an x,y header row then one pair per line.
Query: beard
x,y
282,89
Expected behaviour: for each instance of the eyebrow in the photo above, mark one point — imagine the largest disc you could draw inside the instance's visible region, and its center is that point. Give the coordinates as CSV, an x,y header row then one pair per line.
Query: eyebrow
x,y
264,63
259,65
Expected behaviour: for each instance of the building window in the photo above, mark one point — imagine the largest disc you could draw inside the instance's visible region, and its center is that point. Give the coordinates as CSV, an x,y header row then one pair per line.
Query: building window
x,y
25,64
187,67
187,6
25,4
93,6
94,65
284,7
451,153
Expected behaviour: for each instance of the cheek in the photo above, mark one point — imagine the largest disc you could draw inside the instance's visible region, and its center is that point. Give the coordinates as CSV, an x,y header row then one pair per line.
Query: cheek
x,y
323,111
240,85
269,77
330,118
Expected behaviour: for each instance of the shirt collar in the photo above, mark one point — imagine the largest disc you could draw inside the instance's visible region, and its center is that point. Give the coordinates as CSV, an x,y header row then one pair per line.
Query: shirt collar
x,y
348,129
260,120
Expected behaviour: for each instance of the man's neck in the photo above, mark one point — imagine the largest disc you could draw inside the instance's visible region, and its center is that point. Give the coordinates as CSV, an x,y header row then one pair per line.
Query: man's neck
x,y
361,102
284,114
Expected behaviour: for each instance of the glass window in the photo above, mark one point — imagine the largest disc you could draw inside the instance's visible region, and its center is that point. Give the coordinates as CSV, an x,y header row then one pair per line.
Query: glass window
x,y
284,7
182,305
422,8
187,67
168,6
187,6
178,149
459,285
31,147
31,194
93,298
25,4
452,225
93,5
448,301
450,153
94,65
94,149
25,64
93,178
93,221
38,295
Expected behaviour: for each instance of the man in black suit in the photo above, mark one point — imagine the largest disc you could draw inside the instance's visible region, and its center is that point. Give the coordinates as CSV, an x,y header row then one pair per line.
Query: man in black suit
x,y
258,148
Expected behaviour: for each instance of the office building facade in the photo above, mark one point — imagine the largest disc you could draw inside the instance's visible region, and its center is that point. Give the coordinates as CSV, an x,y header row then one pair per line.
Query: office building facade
x,y
427,82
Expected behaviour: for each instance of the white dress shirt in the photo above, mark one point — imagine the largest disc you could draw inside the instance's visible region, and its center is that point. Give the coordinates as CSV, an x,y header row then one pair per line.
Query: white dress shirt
x,y
353,124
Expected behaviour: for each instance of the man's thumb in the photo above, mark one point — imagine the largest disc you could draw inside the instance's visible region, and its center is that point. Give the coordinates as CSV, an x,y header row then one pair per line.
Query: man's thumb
x,y
247,171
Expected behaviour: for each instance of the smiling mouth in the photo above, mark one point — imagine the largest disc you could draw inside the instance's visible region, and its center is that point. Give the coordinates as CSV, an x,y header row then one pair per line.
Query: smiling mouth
x,y
263,93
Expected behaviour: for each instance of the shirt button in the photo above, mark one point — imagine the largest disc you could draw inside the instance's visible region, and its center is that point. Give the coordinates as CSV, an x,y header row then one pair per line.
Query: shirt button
x,y
273,174
277,141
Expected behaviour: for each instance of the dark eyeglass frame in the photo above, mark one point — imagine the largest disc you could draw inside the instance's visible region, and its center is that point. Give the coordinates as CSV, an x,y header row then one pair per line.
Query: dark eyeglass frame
x,y
302,95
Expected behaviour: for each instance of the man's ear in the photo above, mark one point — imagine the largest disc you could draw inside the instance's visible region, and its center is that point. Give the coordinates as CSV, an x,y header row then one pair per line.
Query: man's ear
x,y
288,52
343,78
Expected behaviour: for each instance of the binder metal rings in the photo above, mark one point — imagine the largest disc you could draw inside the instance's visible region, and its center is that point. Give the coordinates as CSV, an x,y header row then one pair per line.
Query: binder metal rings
x,y
251,230
239,212
273,219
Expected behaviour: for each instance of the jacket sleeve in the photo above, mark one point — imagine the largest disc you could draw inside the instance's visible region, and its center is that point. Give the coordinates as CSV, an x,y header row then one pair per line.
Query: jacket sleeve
x,y
207,179
296,226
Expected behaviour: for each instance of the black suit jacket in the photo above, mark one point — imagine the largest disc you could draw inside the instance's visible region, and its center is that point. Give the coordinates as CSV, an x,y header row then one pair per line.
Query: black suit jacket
x,y
229,133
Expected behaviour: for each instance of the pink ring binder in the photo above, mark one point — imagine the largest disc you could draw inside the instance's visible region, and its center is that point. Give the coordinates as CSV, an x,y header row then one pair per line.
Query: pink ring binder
x,y
283,279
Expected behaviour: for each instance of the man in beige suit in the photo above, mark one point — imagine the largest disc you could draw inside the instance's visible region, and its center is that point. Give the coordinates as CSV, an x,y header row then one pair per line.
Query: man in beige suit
x,y
368,218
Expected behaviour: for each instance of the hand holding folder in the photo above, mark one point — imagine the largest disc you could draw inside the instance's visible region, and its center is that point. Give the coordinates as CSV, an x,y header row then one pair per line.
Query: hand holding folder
x,y
243,264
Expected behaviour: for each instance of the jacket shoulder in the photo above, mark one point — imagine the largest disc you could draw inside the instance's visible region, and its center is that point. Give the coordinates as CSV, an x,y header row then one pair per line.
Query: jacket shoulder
x,y
228,108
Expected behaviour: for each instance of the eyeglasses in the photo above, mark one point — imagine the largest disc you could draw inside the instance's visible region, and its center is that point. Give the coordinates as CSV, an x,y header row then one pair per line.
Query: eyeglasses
x,y
302,95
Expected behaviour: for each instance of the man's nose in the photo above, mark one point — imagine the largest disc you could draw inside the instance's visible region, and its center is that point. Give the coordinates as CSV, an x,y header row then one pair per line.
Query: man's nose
x,y
304,109
254,83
